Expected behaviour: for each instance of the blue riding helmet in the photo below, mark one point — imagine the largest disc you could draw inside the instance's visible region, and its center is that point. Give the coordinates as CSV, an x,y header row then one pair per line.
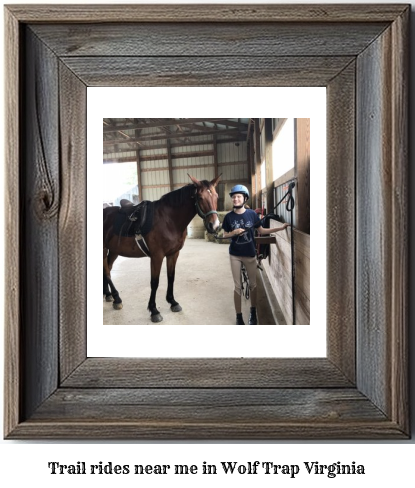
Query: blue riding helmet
x,y
239,189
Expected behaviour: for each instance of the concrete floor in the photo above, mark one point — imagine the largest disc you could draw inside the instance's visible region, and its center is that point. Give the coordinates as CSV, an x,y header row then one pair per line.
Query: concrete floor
x,y
203,287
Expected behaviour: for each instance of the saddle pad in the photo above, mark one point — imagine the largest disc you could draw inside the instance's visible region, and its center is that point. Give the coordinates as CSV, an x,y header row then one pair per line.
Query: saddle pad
x,y
125,227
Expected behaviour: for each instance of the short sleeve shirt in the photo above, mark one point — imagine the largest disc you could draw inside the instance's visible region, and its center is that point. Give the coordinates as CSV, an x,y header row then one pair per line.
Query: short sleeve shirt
x,y
242,245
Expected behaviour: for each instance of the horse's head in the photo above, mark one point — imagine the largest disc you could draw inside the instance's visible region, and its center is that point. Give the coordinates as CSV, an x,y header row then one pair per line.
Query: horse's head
x,y
207,202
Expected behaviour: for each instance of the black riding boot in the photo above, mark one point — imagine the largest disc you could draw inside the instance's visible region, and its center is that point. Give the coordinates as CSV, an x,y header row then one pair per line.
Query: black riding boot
x,y
252,317
239,319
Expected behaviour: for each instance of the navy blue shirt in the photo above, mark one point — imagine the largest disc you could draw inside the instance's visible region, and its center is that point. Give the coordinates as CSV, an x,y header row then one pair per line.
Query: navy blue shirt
x,y
242,245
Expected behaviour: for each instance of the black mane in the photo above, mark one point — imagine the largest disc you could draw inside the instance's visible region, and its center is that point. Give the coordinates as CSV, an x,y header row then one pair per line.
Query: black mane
x,y
181,195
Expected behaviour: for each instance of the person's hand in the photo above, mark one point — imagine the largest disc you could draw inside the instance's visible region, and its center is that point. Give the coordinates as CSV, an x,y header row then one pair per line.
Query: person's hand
x,y
285,226
237,232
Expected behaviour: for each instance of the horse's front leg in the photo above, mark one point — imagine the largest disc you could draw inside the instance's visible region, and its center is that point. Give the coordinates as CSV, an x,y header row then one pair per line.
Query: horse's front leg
x,y
171,269
156,262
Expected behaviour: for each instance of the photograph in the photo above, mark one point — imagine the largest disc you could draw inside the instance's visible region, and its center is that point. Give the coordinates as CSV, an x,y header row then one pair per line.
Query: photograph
x,y
221,209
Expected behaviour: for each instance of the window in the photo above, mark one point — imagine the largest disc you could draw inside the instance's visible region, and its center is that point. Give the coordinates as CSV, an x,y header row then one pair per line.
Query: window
x,y
283,149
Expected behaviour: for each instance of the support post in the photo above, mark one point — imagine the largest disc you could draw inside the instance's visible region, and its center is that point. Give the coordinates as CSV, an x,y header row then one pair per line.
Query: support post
x,y
257,162
139,183
170,164
302,171
215,155
268,165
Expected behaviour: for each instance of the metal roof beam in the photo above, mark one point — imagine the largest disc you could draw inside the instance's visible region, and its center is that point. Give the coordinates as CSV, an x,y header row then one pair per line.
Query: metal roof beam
x,y
155,137
161,123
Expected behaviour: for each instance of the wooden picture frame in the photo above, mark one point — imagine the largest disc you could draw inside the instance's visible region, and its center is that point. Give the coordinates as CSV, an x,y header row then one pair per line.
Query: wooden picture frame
x,y
360,53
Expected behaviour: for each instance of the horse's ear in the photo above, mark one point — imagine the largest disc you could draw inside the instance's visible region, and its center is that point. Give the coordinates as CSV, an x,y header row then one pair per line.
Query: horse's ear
x,y
215,181
195,181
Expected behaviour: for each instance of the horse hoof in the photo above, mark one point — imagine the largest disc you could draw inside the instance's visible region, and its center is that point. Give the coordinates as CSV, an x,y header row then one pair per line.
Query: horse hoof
x,y
156,318
117,306
109,298
176,308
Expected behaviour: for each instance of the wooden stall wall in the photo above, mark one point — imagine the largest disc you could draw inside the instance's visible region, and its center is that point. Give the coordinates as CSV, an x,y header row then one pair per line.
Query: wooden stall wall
x,y
278,266
278,269
302,171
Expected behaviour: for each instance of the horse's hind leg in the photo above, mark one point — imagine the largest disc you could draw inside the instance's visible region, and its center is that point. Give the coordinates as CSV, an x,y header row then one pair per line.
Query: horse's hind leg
x,y
171,270
156,262
107,292
111,259
108,262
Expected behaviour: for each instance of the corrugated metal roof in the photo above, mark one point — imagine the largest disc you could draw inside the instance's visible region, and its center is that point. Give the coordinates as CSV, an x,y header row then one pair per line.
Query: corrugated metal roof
x,y
126,135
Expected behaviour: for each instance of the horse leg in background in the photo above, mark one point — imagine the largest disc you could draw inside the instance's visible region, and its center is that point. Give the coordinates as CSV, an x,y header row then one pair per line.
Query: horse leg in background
x,y
108,262
171,267
107,293
156,262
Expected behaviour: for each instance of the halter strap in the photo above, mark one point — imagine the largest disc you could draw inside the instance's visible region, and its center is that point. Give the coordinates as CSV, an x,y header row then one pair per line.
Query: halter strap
x,y
201,214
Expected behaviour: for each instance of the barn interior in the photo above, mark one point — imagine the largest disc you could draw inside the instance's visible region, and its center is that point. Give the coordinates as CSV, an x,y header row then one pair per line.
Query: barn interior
x,y
269,157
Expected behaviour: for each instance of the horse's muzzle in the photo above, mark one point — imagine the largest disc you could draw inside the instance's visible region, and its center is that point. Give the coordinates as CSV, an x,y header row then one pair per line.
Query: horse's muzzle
x,y
214,227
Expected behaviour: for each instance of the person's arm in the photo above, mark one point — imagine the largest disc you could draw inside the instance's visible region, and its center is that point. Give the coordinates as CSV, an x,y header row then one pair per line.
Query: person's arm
x,y
263,231
233,233
227,232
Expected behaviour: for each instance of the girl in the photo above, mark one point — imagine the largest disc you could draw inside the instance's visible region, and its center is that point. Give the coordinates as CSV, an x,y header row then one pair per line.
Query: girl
x,y
240,224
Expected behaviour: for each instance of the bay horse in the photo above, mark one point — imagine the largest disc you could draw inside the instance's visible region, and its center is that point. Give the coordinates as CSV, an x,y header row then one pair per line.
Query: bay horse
x,y
172,214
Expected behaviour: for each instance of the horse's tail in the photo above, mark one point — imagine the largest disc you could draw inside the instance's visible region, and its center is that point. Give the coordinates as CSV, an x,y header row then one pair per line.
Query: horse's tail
x,y
108,222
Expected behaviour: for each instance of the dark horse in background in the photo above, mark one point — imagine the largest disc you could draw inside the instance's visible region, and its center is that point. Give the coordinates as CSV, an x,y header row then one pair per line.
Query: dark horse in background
x,y
172,214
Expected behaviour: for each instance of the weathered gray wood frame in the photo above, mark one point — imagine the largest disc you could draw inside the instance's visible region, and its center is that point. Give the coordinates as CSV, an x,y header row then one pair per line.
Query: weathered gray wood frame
x,y
359,52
